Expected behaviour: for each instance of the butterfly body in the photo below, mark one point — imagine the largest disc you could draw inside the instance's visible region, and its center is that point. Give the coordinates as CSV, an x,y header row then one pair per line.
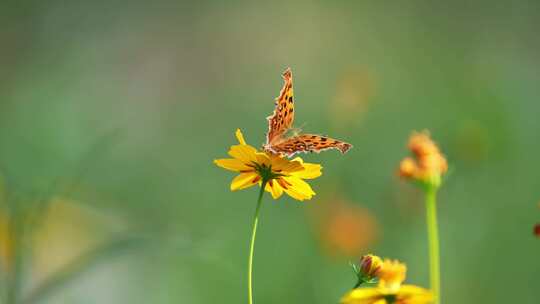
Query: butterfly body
x,y
280,123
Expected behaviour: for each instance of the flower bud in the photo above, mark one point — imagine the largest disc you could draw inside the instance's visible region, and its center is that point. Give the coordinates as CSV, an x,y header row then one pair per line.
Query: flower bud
x,y
421,144
367,269
428,164
408,168
370,266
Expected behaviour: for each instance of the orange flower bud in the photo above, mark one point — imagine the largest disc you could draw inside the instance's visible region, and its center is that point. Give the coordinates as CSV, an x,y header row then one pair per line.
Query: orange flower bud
x,y
429,163
421,144
407,168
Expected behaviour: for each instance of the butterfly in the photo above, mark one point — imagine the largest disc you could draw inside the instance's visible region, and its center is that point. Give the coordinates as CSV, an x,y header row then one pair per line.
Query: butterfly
x,y
281,121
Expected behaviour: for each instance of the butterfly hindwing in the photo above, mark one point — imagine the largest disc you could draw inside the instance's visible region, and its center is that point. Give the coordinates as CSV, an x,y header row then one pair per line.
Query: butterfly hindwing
x,y
283,117
309,143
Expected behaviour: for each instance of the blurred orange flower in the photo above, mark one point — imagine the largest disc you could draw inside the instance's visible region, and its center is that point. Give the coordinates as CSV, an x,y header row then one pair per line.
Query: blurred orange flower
x,y
344,228
428,164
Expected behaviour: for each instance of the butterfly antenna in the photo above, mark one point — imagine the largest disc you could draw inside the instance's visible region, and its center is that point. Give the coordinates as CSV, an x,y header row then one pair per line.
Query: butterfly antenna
x,y
302,127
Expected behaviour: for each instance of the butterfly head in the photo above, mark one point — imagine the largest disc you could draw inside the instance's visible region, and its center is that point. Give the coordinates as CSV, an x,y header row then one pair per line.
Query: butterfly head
x,y
292,132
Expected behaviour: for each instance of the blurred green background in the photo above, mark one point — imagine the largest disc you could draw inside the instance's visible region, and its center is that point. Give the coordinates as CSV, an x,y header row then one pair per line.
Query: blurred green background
x,y
112,112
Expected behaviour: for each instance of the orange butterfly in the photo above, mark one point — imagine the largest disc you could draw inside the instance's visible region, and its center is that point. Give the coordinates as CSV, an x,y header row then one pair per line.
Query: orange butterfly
x,y
280,122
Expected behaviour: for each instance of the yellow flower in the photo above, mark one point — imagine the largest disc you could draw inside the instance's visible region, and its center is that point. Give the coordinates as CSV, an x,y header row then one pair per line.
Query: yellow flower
x,y
392,274
429,163
389,290
280,174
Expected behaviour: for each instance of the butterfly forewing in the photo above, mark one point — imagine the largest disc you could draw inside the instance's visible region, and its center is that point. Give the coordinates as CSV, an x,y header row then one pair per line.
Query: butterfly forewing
x,y
309,143
283,117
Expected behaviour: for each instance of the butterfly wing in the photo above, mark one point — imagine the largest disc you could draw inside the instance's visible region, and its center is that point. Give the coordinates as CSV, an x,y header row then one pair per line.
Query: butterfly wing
x,y
309,143
282,118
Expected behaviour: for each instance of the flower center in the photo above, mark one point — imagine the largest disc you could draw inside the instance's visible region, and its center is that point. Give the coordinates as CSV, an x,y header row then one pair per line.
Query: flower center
x,y
391,298
265,172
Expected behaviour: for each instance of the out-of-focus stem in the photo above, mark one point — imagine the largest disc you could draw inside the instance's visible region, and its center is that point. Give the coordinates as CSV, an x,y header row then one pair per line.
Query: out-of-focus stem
x,y
433,239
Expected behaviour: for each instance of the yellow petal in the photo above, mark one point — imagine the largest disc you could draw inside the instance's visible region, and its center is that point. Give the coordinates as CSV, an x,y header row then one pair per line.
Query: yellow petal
x,y
240,137
363,296
231,164
310,171
244,180
263,159
414,294
285,166
274,188
244,153
298,159
297,188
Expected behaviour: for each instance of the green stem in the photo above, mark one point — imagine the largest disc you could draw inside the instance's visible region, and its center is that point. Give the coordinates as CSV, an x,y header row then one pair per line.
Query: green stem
x,y
252,243
433,238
